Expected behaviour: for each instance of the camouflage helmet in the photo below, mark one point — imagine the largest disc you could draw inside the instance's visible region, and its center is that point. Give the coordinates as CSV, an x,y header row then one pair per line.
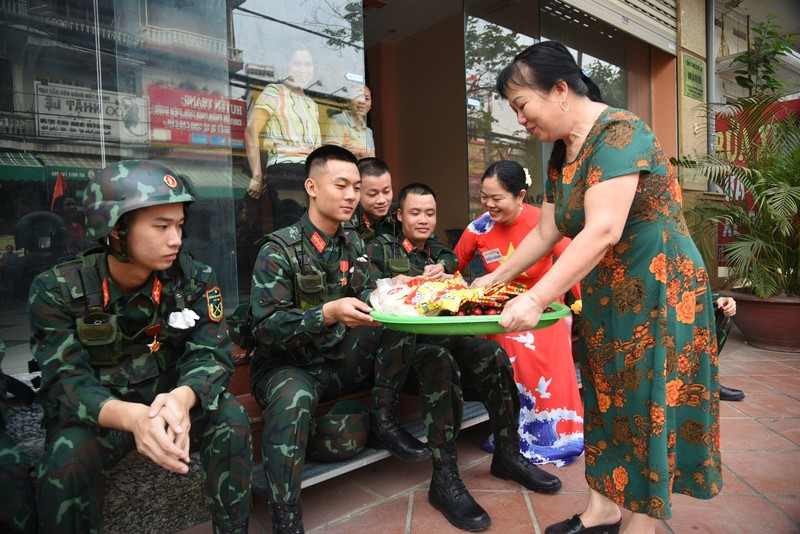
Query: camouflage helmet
x,y
126,186
340,434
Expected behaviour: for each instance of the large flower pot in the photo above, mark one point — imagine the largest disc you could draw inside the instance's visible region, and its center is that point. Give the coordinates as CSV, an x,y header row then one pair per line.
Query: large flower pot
x,y
772,324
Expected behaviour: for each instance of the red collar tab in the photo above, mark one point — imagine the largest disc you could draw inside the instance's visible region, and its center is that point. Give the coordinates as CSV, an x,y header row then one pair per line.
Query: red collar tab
x,y
407,245
156,293
106,293
318,242
367,222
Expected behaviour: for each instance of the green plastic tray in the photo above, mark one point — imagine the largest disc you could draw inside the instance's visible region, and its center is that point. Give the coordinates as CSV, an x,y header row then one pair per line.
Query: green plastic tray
x,y
461,325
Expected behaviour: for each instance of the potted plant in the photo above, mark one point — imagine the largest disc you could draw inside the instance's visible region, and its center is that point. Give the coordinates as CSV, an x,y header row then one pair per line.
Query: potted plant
x,y
764,257
760,176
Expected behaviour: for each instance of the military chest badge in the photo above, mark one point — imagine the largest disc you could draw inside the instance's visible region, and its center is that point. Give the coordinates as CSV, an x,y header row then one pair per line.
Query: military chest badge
x,y
154,330
214,303
344,266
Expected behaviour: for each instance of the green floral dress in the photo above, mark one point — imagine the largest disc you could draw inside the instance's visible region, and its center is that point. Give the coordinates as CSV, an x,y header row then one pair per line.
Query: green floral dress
x,y
649,352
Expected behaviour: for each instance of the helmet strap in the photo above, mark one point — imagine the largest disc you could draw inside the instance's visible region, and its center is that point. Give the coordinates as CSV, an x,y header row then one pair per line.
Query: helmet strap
x,y
120,255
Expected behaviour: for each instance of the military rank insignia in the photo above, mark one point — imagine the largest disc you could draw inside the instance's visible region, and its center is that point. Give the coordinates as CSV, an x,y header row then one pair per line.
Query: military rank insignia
x,y
214,303
318,242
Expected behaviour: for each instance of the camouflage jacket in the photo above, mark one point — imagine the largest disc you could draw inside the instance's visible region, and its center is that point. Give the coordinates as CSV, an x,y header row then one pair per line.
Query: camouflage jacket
x,y
368,228
298,269
140,355
397,255
3,387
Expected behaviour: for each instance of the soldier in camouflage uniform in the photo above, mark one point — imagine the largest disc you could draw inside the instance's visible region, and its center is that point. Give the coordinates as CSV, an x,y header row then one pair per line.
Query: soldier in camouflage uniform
x,y
134,353
17,512
417,252
316,341
486,372
375,214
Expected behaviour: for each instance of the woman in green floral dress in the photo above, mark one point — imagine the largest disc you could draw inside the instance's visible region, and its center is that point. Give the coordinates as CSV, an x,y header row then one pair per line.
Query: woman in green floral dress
x,y
649,363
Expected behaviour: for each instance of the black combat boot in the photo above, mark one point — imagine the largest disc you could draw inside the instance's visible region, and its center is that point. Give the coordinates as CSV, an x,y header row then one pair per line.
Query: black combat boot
x,y
232,527
385,433
509,464
449,495
287,518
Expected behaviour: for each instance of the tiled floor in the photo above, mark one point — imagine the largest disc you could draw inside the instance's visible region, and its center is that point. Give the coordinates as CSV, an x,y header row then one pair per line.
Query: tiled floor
x,y
761,462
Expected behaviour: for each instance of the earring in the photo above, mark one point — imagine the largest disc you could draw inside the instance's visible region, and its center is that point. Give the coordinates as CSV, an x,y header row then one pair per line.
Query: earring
x,y
564,105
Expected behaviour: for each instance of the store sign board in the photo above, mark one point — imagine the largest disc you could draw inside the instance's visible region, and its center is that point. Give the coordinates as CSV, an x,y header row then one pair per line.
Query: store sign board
x,y
694,77
75,113
183,117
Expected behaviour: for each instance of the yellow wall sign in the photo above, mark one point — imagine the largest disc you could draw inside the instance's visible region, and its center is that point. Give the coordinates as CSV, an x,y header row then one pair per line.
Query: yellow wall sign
x,y
694,77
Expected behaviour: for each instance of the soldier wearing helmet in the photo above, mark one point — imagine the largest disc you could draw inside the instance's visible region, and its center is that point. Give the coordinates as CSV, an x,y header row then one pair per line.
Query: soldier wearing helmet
x,y
132,345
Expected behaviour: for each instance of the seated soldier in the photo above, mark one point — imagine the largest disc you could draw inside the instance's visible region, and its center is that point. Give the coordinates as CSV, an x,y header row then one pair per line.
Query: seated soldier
x,y
134,354
375,212
486,372
17,511
317,341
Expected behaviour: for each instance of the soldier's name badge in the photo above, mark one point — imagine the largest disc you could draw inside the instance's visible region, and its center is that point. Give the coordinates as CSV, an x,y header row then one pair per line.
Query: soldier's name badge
x,y
214,304
492,256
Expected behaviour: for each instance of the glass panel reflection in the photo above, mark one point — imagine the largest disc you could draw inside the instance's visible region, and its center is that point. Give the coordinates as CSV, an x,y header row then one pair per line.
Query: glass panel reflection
x,y
171,80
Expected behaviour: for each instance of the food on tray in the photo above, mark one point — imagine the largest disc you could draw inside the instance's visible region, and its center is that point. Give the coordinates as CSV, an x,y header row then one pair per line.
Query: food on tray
x,y
426,296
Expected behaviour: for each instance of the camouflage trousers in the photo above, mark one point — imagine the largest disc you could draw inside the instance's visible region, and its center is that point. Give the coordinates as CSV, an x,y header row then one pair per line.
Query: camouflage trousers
x,y
71,485
288,396
486,376
17,510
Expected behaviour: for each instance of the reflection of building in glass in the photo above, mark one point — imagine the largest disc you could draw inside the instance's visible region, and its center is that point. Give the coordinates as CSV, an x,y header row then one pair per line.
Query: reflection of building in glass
x,y
142,79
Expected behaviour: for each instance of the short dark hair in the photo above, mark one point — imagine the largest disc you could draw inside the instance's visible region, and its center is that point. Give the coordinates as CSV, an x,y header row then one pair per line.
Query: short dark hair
x,y
322,155
509,173
417,189
372,167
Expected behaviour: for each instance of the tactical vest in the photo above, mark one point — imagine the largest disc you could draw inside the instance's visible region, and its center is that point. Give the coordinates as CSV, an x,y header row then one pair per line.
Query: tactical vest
x,y
316,282
82,291
396,259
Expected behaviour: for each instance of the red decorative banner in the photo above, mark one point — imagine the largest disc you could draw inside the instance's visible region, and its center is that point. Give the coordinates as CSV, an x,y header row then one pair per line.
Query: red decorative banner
x,y
726,148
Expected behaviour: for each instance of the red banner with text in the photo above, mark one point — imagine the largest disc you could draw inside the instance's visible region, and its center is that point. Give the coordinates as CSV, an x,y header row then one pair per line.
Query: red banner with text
x,y
182,117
